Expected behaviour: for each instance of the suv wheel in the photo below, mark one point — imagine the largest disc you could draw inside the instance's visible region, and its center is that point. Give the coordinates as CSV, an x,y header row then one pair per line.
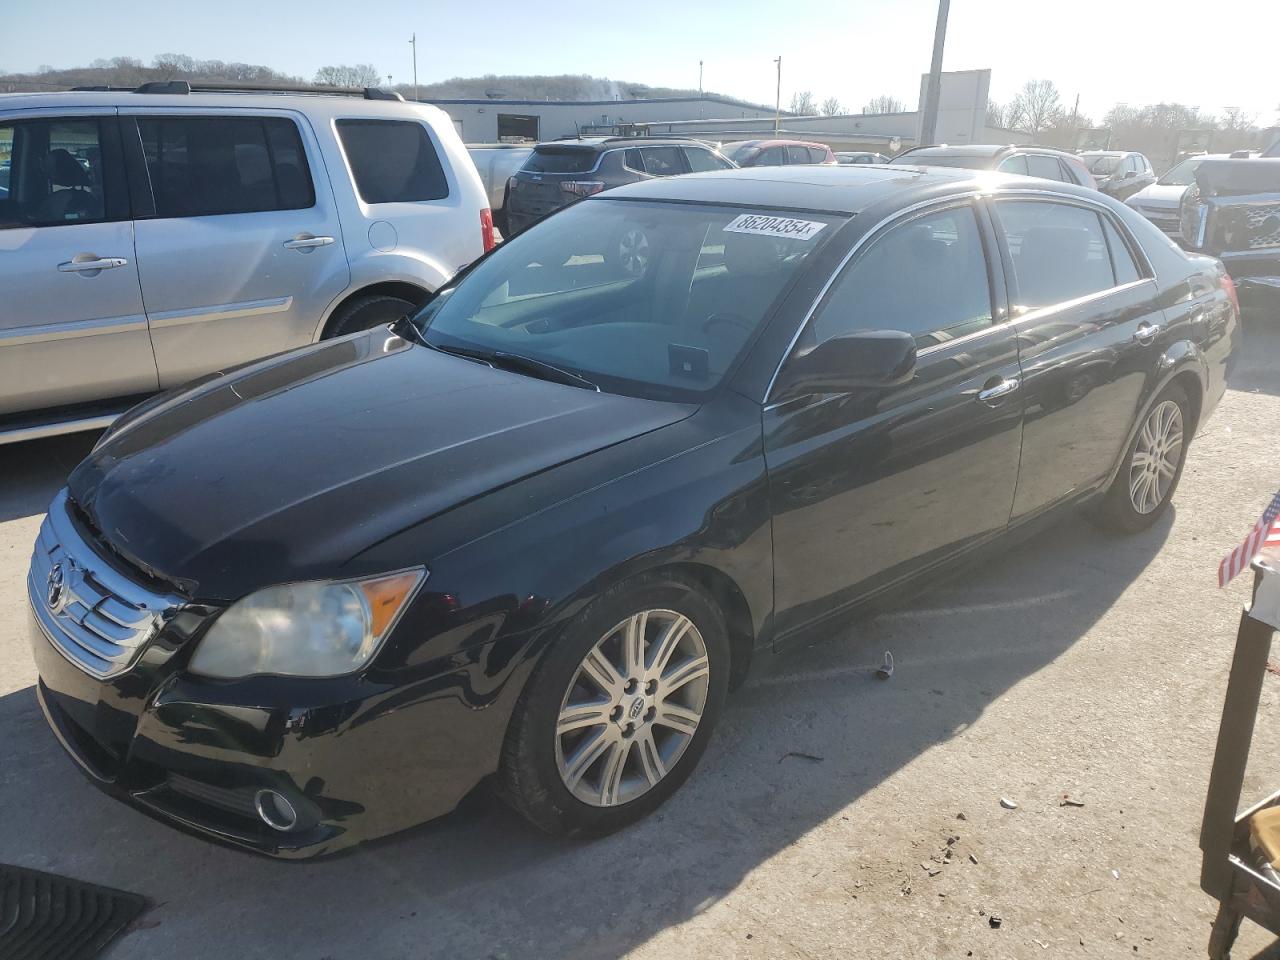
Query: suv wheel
x,y
616,716
365,313
1142,489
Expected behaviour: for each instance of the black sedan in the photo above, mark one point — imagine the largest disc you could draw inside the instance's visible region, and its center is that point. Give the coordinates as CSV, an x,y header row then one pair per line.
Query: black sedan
x,y
541,530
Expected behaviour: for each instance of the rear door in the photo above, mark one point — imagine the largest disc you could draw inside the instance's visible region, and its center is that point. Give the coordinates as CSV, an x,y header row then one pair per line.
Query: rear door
x,y
663,161
242,251
870,487
1089,330
72,328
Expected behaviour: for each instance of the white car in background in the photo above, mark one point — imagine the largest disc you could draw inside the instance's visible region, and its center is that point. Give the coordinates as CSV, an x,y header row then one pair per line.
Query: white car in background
x,y
151,236
1161,202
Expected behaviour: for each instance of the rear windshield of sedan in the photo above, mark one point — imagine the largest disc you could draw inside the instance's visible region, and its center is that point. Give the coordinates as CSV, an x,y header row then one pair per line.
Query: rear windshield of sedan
x,y
643,298
570,160
1184,174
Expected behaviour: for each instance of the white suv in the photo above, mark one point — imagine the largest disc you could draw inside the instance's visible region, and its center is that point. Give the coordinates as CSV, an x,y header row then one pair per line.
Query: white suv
x,y
150,236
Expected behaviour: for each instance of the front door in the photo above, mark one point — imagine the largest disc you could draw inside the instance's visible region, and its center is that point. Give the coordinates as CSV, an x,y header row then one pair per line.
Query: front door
x,y
244,251
872,486
1090,337
72,327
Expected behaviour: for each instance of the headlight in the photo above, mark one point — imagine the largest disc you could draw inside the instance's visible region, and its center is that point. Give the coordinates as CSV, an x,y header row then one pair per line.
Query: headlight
x,y
321,629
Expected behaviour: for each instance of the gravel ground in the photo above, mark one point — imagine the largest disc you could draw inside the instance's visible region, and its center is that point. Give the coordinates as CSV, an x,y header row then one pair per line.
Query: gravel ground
x,y
1077,664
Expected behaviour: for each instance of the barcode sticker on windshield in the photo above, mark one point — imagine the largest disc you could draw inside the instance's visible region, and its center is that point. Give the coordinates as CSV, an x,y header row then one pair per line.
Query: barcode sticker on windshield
x,y
774,226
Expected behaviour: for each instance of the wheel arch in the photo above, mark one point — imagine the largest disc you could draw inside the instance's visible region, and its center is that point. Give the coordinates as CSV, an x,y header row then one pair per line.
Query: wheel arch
x,y
415,293
732,602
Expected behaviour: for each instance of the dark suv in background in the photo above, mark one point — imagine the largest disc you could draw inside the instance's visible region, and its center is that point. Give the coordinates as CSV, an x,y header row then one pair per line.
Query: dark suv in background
x,y
1042,162
562,171
1119,173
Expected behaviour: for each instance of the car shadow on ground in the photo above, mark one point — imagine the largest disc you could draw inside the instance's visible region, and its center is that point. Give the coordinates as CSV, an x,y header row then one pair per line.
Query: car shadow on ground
x,y
793,750
34,471
1255,370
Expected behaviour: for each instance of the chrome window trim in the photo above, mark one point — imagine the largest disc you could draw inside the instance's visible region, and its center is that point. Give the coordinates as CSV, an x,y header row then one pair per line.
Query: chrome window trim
x,y
1020,192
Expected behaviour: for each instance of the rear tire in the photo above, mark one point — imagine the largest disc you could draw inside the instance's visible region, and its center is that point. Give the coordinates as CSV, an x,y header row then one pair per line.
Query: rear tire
x,y
599,741
1142,490
365,313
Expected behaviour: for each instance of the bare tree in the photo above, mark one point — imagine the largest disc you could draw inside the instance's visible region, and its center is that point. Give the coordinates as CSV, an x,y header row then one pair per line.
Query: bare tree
x,y
1036,106
344,75
832,107
803,103
884,104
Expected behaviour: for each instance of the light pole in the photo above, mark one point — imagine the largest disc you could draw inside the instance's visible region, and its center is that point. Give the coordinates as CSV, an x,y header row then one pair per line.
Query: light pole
x,y
929,122
699,78
413,42
777,103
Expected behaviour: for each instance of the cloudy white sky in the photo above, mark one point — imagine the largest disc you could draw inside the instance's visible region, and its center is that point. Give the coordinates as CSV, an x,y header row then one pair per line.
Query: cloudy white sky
x,y
1176,50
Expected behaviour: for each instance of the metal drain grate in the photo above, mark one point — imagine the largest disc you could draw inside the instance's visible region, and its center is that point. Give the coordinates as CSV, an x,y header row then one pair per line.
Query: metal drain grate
x,y
46,917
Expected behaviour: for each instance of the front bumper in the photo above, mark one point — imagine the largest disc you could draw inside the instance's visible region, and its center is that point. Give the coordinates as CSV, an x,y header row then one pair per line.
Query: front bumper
x,y
355,759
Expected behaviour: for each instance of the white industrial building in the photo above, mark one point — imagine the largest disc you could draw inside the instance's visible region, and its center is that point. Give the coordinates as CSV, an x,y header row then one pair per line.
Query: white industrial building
x,y
962,116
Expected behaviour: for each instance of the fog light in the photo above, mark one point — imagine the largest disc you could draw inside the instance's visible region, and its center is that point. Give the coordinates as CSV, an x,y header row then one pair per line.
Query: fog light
x,y
275,810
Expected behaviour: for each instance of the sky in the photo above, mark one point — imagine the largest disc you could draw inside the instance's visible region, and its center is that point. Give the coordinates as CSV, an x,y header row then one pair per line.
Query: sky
x,y
1200,54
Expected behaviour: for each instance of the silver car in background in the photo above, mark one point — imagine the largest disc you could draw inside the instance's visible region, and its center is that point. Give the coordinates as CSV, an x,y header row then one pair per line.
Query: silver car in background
x,y
151,236
497,163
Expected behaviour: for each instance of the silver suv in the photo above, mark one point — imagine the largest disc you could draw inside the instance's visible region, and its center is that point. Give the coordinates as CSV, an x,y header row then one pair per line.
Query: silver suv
x,y
150,236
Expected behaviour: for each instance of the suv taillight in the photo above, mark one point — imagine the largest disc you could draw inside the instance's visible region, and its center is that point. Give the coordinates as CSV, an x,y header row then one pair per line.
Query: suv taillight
x,y
581,188
486,229
1229,288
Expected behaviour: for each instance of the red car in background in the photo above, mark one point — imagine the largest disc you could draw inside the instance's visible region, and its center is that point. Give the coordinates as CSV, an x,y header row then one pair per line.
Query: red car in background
x,y
777,153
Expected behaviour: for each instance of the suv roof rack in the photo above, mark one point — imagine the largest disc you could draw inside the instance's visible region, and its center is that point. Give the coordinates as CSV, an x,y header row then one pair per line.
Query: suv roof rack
x,y
185,87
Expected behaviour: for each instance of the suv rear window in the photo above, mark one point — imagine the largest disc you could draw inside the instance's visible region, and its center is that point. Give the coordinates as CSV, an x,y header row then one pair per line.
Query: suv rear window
x,y
393,161
560,160
205,166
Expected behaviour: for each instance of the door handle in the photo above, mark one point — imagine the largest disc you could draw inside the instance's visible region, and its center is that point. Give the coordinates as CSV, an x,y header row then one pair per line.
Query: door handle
x,y
1146,333
308,243
98,263
1001,389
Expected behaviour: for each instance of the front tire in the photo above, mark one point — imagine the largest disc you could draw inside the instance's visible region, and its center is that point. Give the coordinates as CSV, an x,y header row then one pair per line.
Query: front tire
x,y
618,713
1141,491
365,313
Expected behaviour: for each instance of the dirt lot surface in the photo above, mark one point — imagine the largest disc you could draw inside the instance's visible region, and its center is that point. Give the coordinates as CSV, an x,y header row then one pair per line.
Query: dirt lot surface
x,y
818,824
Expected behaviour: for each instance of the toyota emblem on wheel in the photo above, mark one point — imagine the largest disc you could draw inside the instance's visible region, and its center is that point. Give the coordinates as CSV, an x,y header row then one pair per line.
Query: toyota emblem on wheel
x,y
53,588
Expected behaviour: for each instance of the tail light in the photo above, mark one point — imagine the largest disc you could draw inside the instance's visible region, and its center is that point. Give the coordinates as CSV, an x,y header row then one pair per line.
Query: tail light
x,y
1229,288
581,188
486,229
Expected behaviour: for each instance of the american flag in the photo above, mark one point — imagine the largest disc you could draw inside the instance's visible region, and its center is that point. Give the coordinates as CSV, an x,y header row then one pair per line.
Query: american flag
x,y
1265,533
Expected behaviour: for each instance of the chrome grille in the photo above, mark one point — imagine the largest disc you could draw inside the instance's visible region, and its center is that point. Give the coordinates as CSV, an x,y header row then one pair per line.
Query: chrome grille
x,y
97,618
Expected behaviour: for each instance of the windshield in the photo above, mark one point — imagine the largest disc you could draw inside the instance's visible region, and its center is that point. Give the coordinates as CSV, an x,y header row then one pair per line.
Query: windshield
x,y
1184,174
648,299
560,160
1104,166
737,152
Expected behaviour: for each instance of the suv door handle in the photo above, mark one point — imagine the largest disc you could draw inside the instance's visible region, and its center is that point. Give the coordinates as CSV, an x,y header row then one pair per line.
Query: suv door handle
x,y
308,243
998,390
100,263
1146,333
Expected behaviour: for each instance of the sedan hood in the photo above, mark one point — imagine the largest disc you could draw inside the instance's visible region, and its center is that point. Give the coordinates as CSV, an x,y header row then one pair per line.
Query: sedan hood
x,y
1158,196
288,468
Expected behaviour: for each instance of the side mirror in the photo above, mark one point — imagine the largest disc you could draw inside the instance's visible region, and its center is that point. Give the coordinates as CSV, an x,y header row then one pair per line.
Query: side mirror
x,y
867,359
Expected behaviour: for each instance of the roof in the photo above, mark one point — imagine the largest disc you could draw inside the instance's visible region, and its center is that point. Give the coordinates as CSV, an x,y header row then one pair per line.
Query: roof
x,y
319,104
490,101
985,150
1104,153
845,189
765,142
608,143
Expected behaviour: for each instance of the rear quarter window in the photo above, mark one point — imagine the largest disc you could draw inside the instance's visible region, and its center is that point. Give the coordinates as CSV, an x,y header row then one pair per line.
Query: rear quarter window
x,y
392,161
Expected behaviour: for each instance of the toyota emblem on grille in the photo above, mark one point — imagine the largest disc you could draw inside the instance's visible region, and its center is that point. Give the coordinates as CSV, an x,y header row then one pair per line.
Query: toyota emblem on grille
x,y
54,588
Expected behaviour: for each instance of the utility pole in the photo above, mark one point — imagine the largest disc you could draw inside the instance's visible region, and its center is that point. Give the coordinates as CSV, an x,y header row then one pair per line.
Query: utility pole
x,y
777,103
413,42
929,124
1075,131
699,78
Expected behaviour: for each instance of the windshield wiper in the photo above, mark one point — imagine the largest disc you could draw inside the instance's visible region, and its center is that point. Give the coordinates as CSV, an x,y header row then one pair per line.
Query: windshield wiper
x,y
540,368
517,363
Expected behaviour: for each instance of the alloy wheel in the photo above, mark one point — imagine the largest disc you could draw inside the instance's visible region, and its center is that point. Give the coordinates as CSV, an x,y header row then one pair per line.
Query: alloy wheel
x,y
1156,457
632,707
